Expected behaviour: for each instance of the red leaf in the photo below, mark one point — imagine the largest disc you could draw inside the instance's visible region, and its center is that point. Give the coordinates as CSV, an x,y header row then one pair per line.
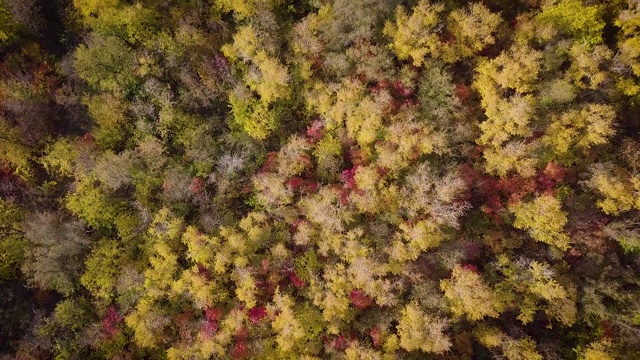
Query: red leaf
x,y
111,322
257,313
462,91
270,162
311,186
208,329
472,250
401,90
196,186
344,197
384,83
183,319
242,334
339,343
555,171
315,130
264,266
202,271
295,183
470,267
240,350
376,336
295,280
213,314
360,300
348,178
88,137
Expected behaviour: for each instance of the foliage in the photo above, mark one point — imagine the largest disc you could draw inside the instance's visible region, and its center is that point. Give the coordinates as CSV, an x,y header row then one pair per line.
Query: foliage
x,y
357,179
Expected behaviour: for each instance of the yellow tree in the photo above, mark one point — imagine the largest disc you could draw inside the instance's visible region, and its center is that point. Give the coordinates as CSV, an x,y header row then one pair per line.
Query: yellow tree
x,y
414,36
469,295
543,219
618,188
472,28
420,331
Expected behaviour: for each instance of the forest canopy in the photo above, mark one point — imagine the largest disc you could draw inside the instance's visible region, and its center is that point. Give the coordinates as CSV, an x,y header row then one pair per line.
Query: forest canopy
x,y
320,179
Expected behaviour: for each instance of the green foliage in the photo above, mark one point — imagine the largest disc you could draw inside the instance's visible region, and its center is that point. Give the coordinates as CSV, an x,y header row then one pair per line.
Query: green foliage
x,y
15,153
8,28
107,63
626,233
584,23
93,204
72,314
102,268
108,113
12,242
60,157
257,118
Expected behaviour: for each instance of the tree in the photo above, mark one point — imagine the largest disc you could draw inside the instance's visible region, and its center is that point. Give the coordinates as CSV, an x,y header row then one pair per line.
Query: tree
x,y
8,28
107,63
14,152
108,114
579,129
414,36
148,323
572,18
13,245
257,118
469,295
60,158
287,327
56,250
93,204
589,65
472,29
626,61
597,350
420,331
102,267
512,349
543,219
617,187
94,7
625,232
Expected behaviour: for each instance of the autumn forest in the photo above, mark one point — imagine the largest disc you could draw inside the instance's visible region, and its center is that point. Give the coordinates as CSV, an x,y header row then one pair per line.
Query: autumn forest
x,y
320,179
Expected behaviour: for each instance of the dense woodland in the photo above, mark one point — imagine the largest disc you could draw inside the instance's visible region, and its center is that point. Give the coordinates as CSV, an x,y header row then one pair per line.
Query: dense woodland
x,y
306,179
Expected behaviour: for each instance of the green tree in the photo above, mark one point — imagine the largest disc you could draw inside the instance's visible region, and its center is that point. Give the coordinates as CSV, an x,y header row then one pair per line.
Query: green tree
x,y
107,63
102,267
12,242
93,204
8,28
572,18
